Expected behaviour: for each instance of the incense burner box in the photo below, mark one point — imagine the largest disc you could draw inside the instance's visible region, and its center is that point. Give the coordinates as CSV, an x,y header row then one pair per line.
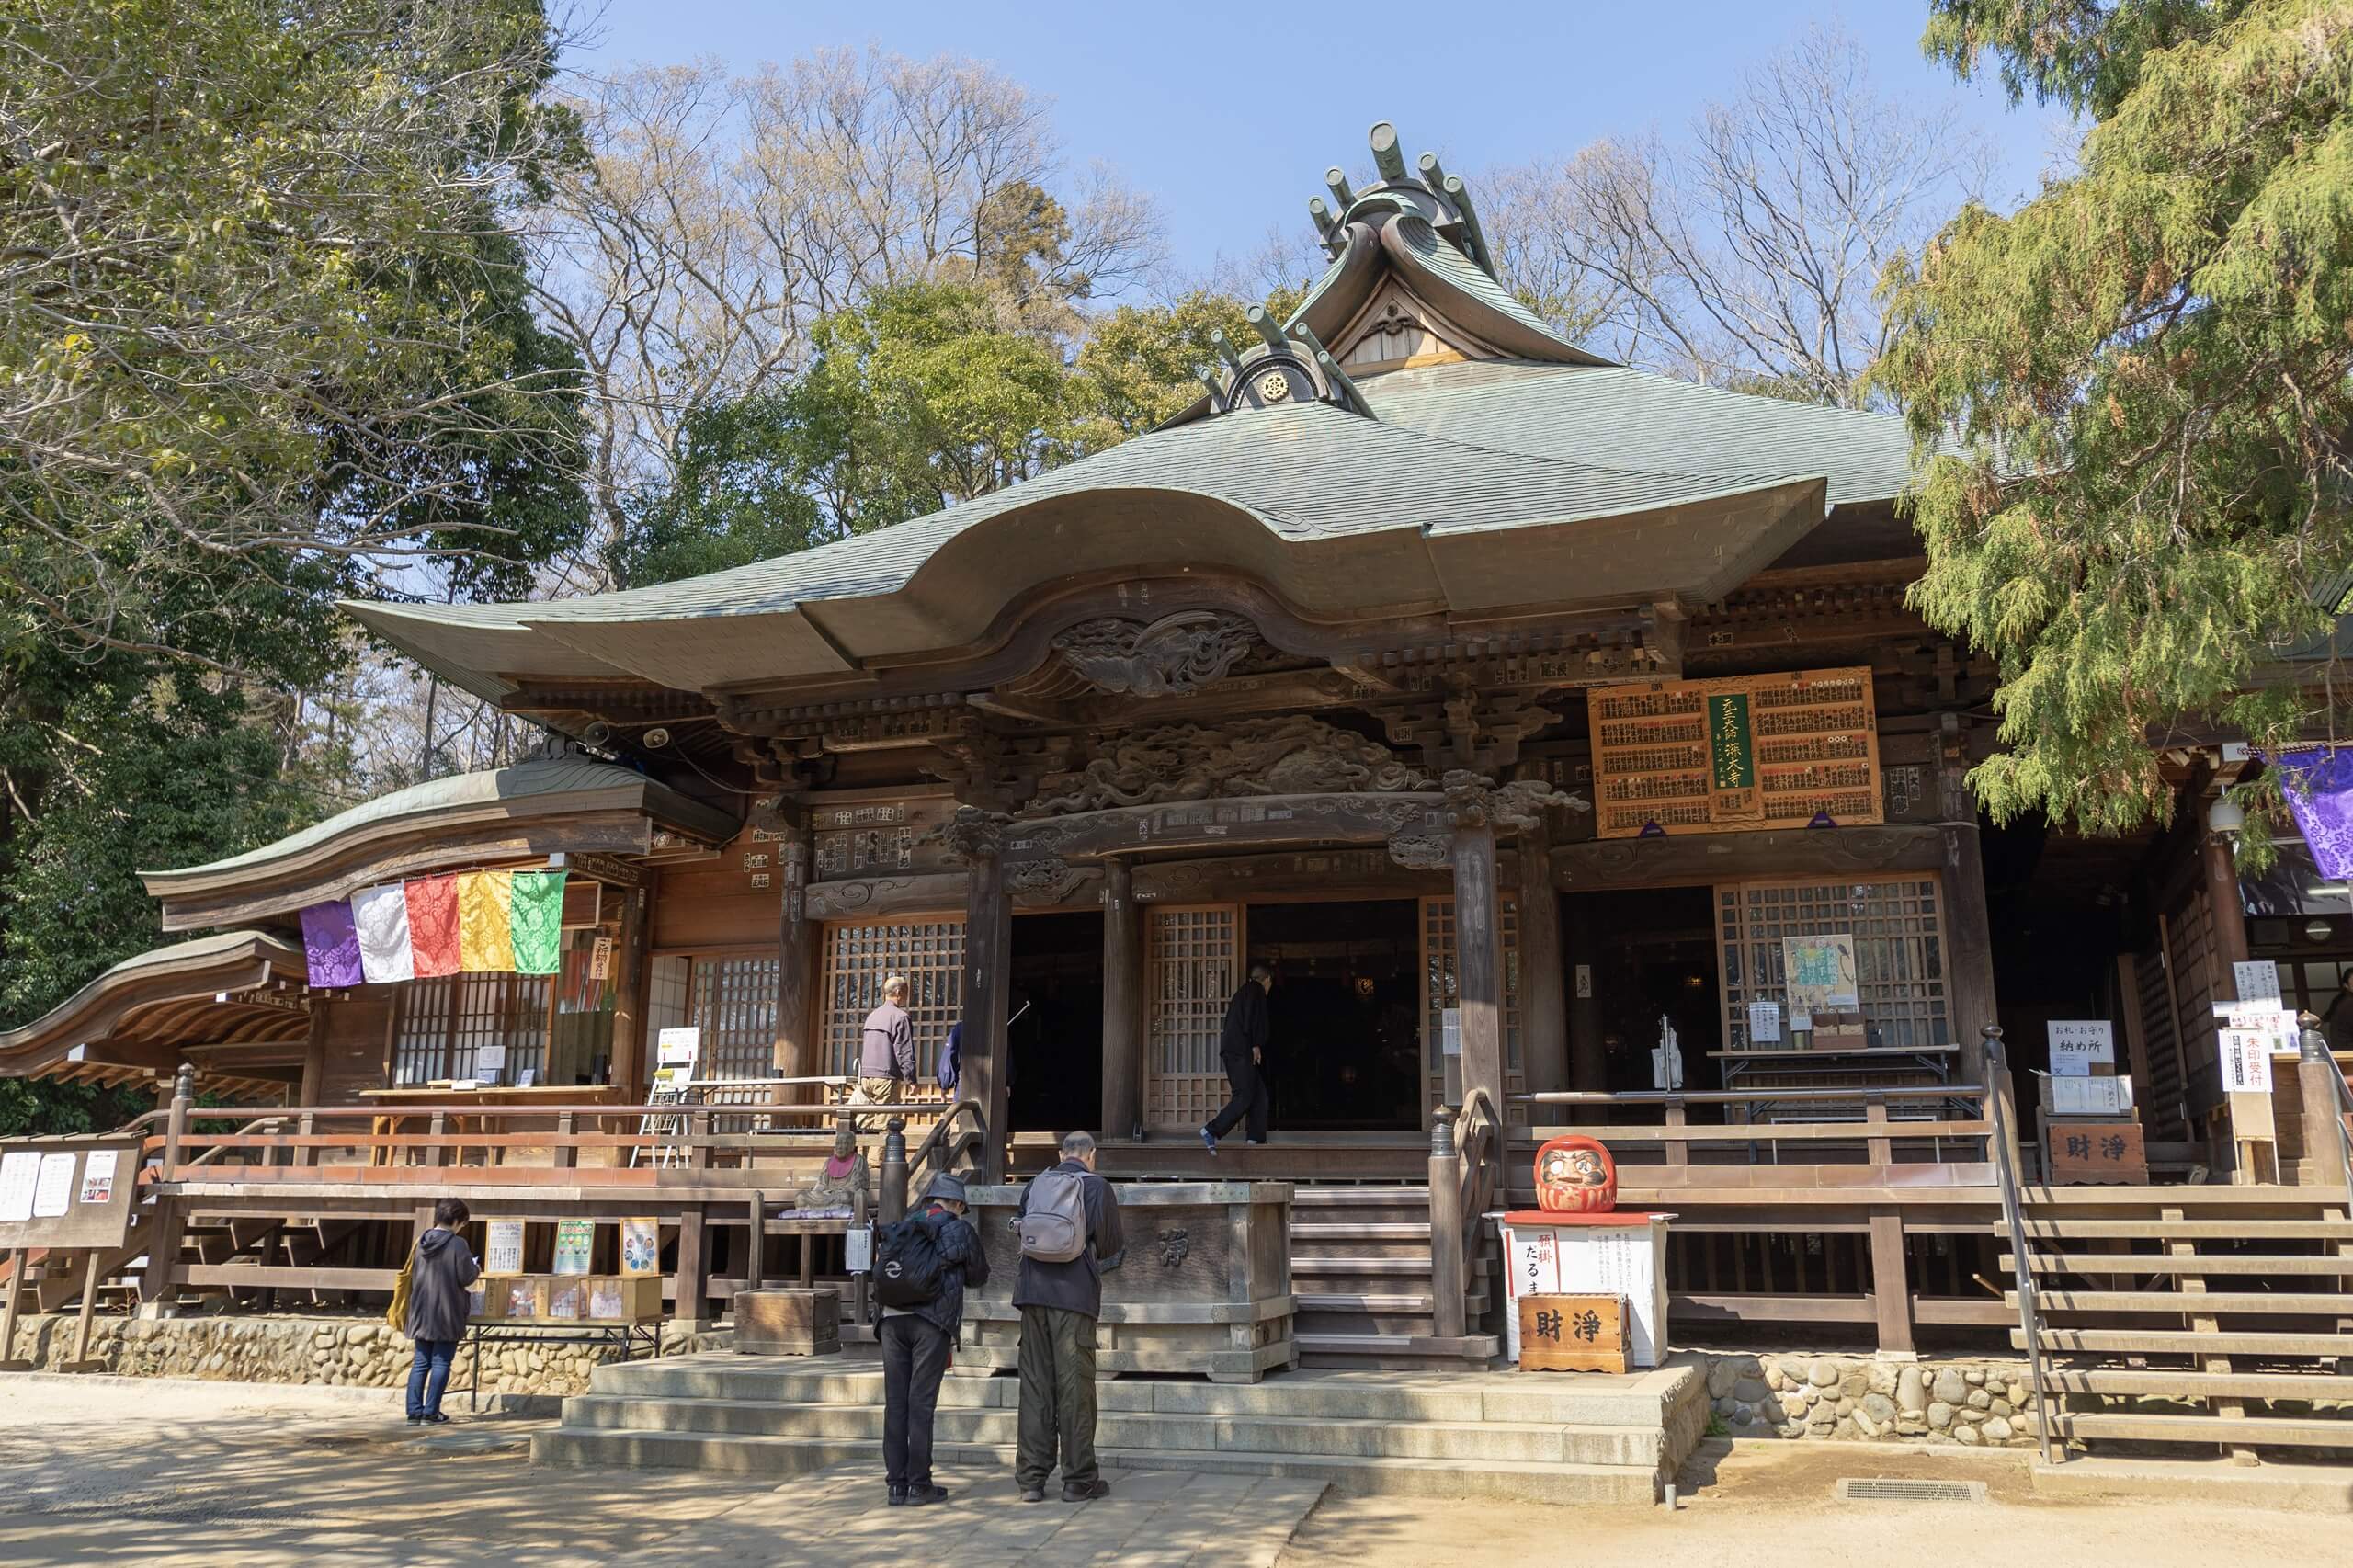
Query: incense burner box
x,y
1205,1287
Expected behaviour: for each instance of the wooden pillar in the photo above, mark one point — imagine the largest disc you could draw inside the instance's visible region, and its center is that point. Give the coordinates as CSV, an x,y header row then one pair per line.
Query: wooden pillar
x,y
1588,1054
1969,948
988,982
1890,1288
1479,962
693,1278
1544,996
2251,1133
8,1359
1448,1317
796,1044
627,1066
1122,1002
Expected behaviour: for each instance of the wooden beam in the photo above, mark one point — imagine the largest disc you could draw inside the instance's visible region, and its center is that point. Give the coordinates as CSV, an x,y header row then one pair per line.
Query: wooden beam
x,y
1123,1001
1969,948
796,1048
1478,960
1220,823
988,985
1543,999
1703,859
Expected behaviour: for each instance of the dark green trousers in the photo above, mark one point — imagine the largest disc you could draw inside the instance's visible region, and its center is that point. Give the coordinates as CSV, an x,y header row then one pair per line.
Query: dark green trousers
x,y
1057,1396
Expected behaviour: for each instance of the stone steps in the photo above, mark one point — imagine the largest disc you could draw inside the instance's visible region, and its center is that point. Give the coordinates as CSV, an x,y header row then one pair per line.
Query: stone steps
x,y
1488,1480
1515,1442
1475,1434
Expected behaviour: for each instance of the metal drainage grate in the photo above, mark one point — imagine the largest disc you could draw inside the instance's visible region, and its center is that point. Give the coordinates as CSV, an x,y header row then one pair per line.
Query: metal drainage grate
x,y
1884,1489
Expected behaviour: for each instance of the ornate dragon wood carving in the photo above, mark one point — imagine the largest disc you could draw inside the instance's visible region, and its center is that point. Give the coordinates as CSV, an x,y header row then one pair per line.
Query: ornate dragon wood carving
x,y
1176,654
1295,756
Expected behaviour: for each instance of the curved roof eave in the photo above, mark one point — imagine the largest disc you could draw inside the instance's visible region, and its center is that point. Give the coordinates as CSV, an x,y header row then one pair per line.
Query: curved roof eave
x,y
194,971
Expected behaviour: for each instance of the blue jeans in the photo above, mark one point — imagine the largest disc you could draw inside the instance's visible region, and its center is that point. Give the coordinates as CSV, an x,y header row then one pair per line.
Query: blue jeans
x,y
428,1375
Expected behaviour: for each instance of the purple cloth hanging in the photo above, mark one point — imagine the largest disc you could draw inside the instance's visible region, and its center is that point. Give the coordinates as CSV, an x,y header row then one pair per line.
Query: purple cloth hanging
x,y
331,943
2319,787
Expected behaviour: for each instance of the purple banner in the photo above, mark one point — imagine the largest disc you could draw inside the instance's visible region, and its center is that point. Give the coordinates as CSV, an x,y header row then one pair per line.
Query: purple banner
x,y
331,943
2319,787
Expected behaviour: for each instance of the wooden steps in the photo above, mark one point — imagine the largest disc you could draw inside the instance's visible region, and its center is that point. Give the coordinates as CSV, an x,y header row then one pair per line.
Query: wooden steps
x,y
2266,1387
2175,1303
2260,1432
2096,1263
1361,1272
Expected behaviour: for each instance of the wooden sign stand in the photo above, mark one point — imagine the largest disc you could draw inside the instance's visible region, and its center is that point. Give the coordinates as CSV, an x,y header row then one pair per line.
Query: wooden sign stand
x,y
10,1361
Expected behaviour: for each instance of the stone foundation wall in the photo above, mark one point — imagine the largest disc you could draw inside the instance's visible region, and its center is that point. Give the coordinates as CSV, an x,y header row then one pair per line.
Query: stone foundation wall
x,y
348,1351
1863,1399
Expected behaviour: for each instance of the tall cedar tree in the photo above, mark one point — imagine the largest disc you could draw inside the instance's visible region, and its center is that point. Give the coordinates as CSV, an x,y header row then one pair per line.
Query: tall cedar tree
x,y
2130,397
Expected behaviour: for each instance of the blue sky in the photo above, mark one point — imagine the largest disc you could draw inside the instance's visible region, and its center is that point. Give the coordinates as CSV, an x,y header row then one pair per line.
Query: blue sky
x,y
1229,113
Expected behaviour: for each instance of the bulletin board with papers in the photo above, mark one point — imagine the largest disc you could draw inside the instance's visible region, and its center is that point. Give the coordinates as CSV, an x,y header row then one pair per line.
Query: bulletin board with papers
x,y
67,1192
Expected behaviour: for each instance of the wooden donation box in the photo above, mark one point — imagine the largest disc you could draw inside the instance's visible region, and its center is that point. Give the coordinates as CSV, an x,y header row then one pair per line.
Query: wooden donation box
x,y
1612,1253
1205,1287
1573,1333
787,1322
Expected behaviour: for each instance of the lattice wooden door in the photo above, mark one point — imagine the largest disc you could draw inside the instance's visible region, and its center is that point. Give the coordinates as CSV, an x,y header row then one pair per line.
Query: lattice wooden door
x,y
1439,992
1192,963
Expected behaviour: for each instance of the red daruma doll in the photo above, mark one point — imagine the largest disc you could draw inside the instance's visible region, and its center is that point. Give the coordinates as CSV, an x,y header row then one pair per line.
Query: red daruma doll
x,y
1575,1175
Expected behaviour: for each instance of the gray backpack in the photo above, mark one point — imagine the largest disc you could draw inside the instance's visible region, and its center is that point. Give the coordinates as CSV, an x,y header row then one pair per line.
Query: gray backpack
x,y
1054,1226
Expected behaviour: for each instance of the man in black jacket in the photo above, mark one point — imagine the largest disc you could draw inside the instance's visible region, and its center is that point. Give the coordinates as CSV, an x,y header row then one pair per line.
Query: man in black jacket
x,y
1242,1046
437,1276
919,1341
1060,1302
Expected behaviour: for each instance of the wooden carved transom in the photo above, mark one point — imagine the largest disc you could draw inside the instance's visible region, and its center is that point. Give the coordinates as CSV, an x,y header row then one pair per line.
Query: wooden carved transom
x,y
1293,756
1176,654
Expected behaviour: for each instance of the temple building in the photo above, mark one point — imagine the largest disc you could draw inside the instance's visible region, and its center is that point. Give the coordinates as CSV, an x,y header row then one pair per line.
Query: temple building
x,y
1531,715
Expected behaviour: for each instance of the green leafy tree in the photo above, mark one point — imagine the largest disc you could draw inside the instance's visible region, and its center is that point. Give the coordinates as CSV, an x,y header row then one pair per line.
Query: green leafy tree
x,y
2130,396
1140,365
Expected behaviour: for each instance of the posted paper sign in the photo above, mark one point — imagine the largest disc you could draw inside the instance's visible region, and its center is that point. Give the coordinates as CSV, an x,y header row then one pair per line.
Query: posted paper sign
x,y
679,1047
2247,1045
2087,1096
641,1245
489,1059
97,1177
54,1187
574,1241
1764,1025
502,1250
17,1173
2258,982
2079,1044
1820,971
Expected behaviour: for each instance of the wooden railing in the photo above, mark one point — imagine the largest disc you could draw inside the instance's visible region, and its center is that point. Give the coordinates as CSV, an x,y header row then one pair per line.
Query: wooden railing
x,y
2003,1109
1710,1153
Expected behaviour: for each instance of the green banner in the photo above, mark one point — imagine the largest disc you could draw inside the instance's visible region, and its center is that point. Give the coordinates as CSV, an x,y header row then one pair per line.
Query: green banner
x,y
1731,745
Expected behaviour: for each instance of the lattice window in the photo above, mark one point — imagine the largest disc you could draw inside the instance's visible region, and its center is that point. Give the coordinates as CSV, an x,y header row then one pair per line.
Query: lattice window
x,y
1898,926
732,1001
445,1021
1193,965
1439,990
858,959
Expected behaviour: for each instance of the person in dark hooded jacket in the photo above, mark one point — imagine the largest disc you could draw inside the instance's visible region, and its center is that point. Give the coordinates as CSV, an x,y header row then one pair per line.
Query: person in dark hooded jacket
x,y
918,1342
439,1276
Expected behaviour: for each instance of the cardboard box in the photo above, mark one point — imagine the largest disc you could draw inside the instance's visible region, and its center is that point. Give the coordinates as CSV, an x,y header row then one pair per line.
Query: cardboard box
x,y
1573,1333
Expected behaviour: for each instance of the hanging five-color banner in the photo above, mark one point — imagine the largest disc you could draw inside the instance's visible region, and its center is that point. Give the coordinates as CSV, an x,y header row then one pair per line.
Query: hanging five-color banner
x,y
468,922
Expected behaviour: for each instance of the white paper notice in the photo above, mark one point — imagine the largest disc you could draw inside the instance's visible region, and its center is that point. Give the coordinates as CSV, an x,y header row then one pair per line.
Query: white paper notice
x,y
17,1173
53,1188
2247,1040
2076,1044
97,1177
502,1250
679,1047
2259,983
1764,1025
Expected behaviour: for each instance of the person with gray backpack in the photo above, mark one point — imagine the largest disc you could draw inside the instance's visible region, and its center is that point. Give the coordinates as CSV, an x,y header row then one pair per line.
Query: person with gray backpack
x,y
1069,1220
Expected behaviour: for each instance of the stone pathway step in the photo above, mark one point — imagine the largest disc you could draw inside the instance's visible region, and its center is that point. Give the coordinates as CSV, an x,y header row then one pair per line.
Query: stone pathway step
x,y
1511,1442
1519,1481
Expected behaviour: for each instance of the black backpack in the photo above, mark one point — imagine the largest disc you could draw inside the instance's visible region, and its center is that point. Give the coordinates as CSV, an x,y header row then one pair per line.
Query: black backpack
x,y
908,1269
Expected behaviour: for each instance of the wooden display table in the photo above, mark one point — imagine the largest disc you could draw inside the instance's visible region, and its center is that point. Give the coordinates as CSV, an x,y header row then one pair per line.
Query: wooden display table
x,y
1205,1287
503,1095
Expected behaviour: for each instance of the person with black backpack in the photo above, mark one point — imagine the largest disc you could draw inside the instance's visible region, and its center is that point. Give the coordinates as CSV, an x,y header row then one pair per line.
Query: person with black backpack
x,y
1069,1220
921,1266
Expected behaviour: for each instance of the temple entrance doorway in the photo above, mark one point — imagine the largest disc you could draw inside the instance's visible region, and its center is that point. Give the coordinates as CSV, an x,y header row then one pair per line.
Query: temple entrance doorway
x,y
1652,957
1346,1048
1055,1048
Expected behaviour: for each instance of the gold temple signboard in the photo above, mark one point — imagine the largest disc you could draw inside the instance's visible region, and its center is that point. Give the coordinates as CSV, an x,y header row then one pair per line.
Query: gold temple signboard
x,y
1736,755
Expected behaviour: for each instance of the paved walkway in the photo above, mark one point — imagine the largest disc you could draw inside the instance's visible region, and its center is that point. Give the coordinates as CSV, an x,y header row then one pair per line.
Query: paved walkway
x,y
172,1475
